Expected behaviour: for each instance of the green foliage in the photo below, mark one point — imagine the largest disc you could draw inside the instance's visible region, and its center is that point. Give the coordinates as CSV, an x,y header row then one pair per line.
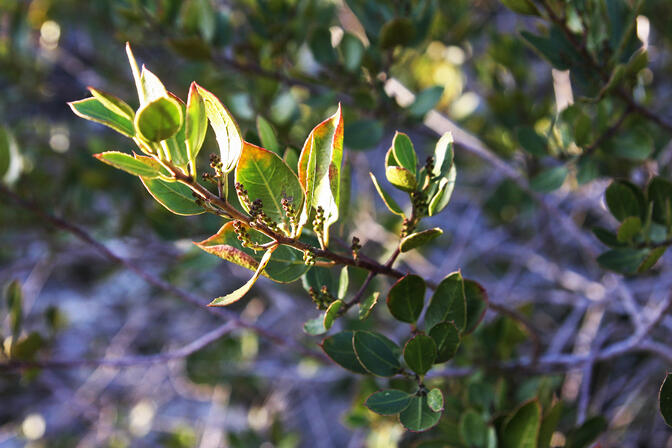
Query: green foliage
x,y
406,298
665,400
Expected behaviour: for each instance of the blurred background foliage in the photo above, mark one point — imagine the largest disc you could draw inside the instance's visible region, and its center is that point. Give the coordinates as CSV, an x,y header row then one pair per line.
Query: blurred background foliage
x,y
392,65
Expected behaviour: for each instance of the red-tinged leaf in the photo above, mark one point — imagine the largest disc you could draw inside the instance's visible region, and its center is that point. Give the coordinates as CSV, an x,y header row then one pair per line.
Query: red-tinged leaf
x,y
92,109
240,292
111,102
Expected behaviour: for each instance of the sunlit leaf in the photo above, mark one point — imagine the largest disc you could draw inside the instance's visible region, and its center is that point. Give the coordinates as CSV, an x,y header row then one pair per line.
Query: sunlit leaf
x,y
418,239
196,122
332,313
159,119
385,196
444,192
143,167
175,196
240,292
92,109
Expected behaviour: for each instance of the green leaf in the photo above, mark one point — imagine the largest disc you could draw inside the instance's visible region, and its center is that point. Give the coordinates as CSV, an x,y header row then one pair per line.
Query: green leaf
x,y
435,399
420,353
352,50
376,353
267,177
532,142
587,170
447,339
227,133
665,400
240,292
624,199
418,239
659,191
418,416
521,7
651,259
425,101
629,229
398,31
315,326
196,123
401,178
388,402
136,74
549,424
363,134
159,119
175,196
385,196
473,428
346,187
443,155
320,165
143,167
443,194
343,282
26,348
320,46
367,305
406,298
286,264
607,237
623,260
477,304
587,433
113,104
636,144
521,429
92,109
404,152
267,135
550,49
152,87
332,313
549,180
448,304
339,348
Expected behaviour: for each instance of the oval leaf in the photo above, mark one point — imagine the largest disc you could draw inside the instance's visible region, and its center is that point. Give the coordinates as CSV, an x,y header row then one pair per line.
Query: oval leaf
x,y
175,196
448,304
521,430
420,353
376,353
388,402
418,416
387,199
339,348
367,305
93,109
144,167
435,400
332,313
196,122
418,239
447,339
401,178
406,298
159,119
404,152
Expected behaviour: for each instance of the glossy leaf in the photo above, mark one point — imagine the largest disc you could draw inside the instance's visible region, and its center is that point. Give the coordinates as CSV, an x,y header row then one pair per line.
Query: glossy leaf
x,y
521,429
227,133
420,353
404,152
112,103
665,400
332,313
136,74
92,109
159,119
418,239
320,165
196,122
367,305
406,298
240,292
448,304
339,348
444,192
477,304
388,402
267,177
401,178
435,399
418,416
267,136
385,196
143,167
447,339
376,353
175,196
152,87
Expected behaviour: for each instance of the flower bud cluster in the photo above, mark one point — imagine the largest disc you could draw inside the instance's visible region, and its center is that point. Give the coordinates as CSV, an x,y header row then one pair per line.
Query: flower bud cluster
x,y
216,165
321,298
242,234
308,257
318,221
419,201
355,247
256,209
429,166
290,212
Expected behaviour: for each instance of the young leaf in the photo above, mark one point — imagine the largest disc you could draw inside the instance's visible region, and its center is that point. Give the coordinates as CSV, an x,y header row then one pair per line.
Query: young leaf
x,y
401,178
267,135
387,199
435,399
343,282
159,119
448,304
320,170
404,152
175,196
447,339
144,167
388,402
418,416
196,122
92,109
477,304
420,353
227,133
665,400
332,313
152,87
629,229
112,103
339,348
406,298
376,353
521,430
267,177
443,155
444,192
418,239
367,305
240,292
